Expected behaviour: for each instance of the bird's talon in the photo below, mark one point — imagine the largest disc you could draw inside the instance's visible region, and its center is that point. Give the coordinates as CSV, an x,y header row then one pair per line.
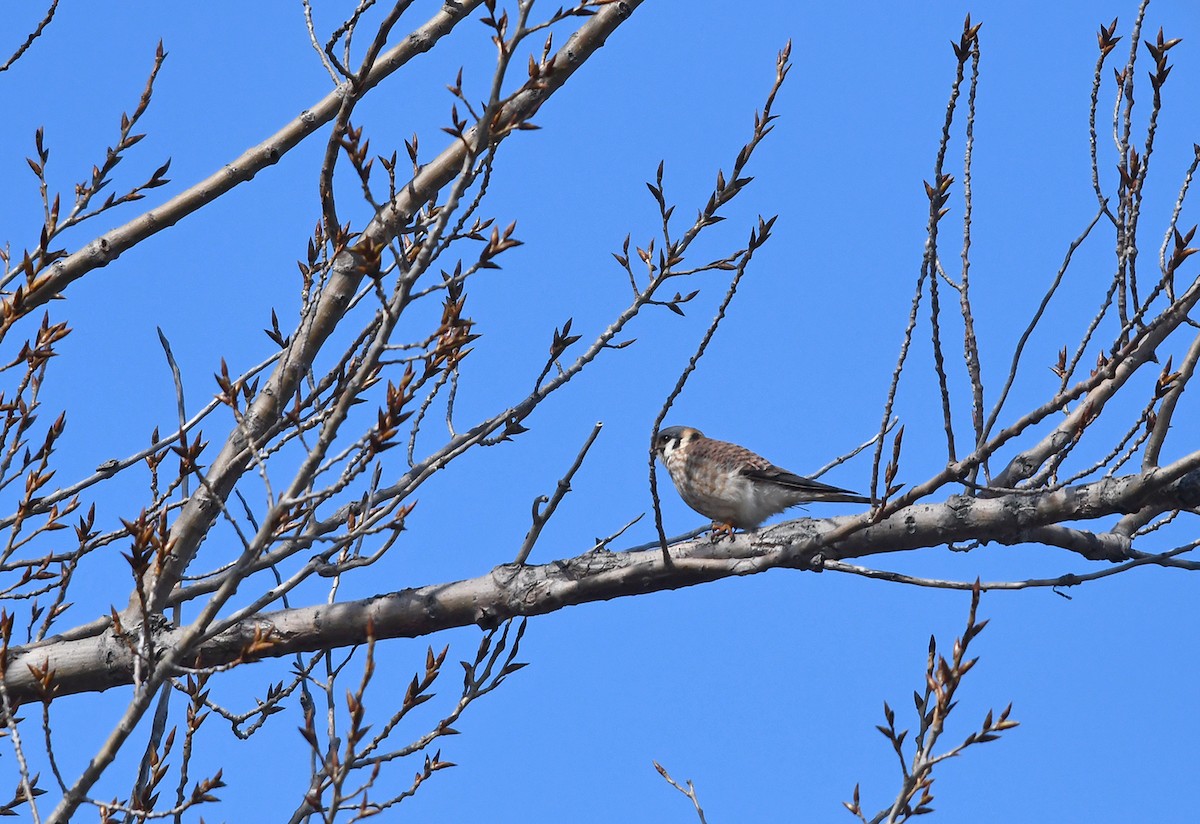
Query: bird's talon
x,y
720,531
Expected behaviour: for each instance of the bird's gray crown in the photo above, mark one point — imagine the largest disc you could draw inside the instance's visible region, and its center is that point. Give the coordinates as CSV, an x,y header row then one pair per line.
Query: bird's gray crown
x,y
674,436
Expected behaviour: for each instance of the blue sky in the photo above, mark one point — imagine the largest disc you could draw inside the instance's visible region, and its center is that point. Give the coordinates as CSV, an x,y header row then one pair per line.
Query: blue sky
x,y
764,691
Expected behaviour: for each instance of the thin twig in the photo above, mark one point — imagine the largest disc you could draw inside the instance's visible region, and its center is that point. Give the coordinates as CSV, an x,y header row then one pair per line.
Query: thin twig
x,y
690,792
34,35
542,517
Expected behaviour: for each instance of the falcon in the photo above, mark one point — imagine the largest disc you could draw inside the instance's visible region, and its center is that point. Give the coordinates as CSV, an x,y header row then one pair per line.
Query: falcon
x,y
732,485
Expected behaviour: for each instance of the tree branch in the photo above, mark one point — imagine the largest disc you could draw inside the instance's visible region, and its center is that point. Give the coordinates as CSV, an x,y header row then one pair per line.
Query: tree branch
x,y
510,590
112,244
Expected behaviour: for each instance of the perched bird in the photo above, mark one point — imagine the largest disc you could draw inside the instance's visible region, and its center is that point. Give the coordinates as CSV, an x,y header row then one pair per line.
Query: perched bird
x,y
731,484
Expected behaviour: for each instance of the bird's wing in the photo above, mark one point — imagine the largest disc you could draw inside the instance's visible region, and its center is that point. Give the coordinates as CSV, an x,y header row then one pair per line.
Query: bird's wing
x,y
819,491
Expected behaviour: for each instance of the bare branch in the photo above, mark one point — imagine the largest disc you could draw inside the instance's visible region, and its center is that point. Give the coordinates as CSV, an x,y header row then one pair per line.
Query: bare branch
x,y
109,246
33,35
690,792
512,590
541,518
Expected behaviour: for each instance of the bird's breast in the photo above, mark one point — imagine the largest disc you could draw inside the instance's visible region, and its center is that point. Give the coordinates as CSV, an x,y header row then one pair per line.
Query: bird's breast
x,y
712,490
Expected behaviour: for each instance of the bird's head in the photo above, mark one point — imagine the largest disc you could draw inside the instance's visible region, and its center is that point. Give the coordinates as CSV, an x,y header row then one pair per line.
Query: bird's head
x,y
672,438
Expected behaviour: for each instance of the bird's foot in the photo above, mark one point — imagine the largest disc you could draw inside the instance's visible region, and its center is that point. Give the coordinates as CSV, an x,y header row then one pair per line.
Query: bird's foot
x,y
720,531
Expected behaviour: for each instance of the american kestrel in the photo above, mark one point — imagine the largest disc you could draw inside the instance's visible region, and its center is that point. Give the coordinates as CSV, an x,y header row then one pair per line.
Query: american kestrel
x,y
731,484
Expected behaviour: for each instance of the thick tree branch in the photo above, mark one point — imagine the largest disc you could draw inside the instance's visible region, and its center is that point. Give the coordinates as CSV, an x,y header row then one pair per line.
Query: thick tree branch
x,y
512,590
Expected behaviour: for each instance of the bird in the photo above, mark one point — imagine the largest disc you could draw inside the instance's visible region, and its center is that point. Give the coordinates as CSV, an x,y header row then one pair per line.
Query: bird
x,y
733,486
